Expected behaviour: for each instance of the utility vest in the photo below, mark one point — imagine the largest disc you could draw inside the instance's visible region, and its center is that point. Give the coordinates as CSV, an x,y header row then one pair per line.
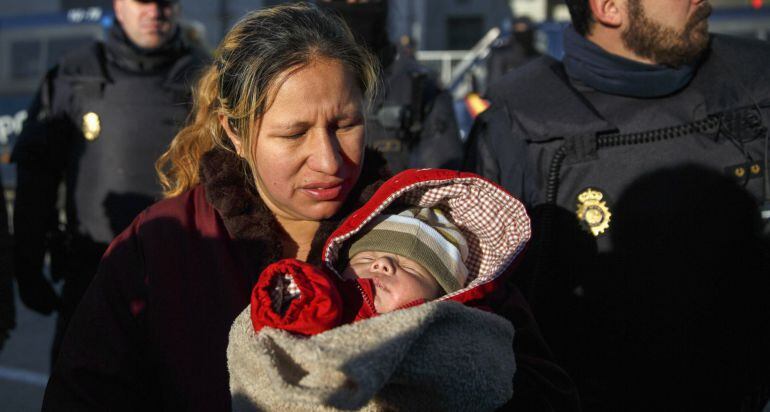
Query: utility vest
x,y
650,241
581,163
126,121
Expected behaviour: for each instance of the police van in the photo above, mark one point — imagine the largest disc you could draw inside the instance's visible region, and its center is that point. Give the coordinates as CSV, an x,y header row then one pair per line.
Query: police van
x,y
29,46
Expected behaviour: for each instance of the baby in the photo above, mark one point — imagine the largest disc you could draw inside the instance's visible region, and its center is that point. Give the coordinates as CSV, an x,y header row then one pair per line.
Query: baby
x,y
415,256
334,336
397,261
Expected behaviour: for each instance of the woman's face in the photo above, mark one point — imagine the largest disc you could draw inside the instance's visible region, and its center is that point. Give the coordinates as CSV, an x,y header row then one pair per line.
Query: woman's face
x,y
309,145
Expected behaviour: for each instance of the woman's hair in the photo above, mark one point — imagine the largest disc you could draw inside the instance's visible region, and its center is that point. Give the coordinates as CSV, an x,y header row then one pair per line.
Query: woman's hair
x,y
241,80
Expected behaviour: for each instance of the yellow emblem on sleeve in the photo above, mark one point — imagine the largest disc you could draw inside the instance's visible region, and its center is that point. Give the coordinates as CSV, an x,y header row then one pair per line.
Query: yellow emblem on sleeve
x,y
592,211
91,126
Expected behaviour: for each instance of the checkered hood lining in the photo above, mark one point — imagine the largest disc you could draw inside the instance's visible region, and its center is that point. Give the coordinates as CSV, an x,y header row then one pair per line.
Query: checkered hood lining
x,y
495,224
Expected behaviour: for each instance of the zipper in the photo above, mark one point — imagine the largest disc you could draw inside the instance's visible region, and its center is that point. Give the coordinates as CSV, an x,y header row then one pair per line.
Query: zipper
x,y
366,298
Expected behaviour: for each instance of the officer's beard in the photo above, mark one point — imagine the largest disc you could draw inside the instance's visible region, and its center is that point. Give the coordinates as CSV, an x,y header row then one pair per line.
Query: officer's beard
x,y
664,45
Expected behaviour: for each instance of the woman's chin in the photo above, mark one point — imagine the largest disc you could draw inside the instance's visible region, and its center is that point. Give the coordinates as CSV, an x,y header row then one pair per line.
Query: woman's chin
x,y
322,210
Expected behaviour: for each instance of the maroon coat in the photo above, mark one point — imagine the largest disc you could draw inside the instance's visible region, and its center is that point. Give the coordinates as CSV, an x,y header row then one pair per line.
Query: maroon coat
x,y
151,332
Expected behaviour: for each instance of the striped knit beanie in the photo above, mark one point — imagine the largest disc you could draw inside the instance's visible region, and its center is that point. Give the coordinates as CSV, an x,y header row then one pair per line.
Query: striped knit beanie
x,y
424,235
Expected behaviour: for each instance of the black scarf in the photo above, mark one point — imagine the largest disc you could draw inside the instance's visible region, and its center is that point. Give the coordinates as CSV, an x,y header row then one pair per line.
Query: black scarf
x,y
122,52
609,73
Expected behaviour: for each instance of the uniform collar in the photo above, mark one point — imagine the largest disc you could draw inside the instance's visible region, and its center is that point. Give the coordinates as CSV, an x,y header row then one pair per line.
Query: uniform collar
x,y
612,74
122,52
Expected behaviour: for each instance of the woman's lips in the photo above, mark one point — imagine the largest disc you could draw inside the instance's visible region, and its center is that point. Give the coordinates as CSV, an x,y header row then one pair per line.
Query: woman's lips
x,y
323,192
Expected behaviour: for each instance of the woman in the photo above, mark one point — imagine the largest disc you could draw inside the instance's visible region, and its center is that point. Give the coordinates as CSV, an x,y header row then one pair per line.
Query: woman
x,y
266,170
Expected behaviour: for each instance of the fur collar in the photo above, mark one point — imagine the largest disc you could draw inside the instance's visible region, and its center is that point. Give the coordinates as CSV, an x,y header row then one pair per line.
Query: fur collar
x,y
230,190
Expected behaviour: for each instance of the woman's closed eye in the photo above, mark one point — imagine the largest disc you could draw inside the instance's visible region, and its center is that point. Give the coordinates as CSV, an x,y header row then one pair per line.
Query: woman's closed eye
x,y
349,126
292,135
349,123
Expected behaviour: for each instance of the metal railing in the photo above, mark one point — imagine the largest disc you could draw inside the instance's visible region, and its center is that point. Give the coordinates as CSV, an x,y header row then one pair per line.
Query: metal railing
x,y
454,65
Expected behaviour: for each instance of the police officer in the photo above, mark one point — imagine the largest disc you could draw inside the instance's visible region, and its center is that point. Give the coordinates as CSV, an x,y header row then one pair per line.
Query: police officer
x,y
643,158
7,304
412,121
101,118
512,50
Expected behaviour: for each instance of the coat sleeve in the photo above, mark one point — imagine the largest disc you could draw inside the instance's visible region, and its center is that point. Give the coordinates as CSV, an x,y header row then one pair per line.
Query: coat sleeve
x,y
105,363
494,152
40,155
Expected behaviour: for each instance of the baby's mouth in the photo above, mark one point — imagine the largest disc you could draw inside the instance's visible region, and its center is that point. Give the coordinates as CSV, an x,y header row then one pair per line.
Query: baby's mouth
x,y
379,285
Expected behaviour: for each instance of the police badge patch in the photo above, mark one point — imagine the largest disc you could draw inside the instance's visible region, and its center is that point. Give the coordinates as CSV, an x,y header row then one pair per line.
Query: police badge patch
x,y
91,126
592,211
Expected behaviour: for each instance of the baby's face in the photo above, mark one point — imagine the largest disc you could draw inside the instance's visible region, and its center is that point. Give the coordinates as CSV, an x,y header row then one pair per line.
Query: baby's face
x,y
398,280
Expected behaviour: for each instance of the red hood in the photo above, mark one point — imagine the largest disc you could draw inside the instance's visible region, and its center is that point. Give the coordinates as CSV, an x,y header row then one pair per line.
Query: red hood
x,y
496,224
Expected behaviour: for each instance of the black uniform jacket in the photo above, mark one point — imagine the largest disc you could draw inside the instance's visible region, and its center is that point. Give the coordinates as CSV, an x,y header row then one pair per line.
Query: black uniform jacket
x,y
100,120
648,256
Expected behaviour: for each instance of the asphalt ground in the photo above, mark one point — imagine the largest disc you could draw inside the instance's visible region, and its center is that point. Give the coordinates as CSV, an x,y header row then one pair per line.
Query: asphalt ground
x,y
24,361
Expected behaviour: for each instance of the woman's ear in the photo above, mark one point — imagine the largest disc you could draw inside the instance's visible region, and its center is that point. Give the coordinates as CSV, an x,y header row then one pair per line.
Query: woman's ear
x,y
608,12
224,121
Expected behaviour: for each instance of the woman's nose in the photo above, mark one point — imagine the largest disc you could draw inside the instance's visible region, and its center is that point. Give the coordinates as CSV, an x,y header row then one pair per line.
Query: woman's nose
x,y
325,156
383,265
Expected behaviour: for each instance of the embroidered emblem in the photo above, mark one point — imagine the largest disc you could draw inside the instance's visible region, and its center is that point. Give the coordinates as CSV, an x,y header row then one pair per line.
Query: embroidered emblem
x,y
592,211
91,126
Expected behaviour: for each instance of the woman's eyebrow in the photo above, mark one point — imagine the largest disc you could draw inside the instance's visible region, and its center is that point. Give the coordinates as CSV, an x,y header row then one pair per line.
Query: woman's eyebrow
x,y
289,125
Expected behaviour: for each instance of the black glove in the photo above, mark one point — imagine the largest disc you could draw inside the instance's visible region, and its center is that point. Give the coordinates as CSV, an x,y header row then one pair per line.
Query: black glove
x,y
38,294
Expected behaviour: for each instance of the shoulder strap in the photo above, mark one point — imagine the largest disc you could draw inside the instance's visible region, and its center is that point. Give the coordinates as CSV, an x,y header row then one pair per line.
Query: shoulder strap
x,y
86,68
541,98
741,67
85,64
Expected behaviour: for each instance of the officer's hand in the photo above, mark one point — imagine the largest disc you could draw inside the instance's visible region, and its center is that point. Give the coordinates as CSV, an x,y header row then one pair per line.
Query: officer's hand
x,y
38,294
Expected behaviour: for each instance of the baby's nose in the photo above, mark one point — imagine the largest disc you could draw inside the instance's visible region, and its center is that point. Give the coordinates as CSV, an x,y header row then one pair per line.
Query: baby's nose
x,y
383,264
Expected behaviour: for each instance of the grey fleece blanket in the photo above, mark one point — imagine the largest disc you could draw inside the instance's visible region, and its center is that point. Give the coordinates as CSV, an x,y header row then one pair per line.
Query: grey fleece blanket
x,y
436,356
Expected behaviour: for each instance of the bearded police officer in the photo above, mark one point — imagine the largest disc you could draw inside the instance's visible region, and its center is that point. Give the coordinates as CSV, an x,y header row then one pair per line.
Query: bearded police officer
x,y
515,49
102,117
412,121
643,157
